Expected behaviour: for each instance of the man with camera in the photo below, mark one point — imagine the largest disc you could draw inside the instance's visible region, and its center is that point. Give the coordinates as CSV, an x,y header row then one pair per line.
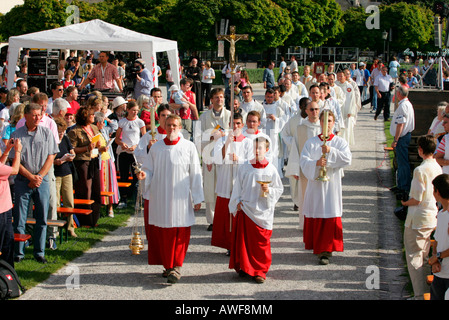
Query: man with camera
x,y
143,79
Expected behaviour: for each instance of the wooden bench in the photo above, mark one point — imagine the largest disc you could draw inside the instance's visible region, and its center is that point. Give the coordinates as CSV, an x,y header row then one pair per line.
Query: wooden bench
x,y
124,184
21,237
68,211
83,202
61,224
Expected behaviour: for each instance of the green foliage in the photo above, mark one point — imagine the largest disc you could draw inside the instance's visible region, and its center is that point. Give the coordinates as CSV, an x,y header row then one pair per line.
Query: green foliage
x,y
411,25
33,16
192,24
314,22
267,24
145,16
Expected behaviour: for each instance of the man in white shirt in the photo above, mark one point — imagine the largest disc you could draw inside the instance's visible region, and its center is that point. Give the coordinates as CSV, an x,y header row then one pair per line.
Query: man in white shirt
x,y
382,86
402,125
173,185
293,64
421,217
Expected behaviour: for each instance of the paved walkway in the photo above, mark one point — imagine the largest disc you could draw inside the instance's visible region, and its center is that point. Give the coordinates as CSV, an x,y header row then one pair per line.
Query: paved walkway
x,y
372,238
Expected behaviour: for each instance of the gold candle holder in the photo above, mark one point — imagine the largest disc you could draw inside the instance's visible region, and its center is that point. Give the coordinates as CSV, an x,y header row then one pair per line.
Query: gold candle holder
x,y
262,193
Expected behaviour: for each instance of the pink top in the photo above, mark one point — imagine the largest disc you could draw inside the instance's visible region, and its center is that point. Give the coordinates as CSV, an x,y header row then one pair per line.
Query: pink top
x,y
46,122
5,193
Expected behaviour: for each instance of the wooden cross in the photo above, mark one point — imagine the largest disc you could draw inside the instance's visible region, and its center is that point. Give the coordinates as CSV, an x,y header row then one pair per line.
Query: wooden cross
x,y
232,38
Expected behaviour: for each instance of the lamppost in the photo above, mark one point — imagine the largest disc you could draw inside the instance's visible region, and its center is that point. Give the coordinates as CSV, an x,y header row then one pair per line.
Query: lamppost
x,y
384,38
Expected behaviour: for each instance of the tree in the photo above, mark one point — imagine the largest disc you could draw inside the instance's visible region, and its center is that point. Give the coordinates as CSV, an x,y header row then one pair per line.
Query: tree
x,y
411,26
145,16
314,22
267,24
192,23
32,16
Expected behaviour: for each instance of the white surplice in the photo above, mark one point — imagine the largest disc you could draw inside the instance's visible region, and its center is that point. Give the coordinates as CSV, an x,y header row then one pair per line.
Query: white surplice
x,y
324,199
349,107
247,191
303,132
226,168
273,128
173,183
141,150
256,106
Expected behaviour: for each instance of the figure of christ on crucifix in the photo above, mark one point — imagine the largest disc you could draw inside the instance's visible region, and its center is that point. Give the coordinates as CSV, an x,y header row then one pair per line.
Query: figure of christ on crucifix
x,y
232,38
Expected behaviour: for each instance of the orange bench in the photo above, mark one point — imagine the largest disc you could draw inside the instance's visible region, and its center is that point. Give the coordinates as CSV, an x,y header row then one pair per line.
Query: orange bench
x,y
21,237
83,202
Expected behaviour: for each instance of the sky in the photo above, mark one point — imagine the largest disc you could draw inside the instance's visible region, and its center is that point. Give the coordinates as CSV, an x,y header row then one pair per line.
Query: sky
x,y
6,5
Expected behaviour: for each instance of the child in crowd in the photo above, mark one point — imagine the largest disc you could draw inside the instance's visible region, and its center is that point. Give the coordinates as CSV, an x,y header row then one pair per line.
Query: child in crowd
x,y
439,290
256,191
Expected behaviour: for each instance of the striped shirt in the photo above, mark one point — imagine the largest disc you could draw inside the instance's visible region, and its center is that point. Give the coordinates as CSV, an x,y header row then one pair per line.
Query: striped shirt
x,y
105,76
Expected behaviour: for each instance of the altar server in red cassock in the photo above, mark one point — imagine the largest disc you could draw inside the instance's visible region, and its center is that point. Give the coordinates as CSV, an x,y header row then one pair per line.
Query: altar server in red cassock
x,y
256,190
230,152
323,204
173,186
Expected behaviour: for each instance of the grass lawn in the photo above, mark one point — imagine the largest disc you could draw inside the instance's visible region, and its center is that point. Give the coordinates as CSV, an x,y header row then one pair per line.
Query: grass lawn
x,y
32,272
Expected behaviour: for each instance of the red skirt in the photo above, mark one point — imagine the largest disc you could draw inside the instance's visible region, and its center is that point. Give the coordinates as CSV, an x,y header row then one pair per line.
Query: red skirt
x,y
221,232
167,246
251,247
323,235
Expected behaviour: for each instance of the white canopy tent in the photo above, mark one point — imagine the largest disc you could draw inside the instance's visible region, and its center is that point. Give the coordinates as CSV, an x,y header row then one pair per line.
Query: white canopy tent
x,y
97,35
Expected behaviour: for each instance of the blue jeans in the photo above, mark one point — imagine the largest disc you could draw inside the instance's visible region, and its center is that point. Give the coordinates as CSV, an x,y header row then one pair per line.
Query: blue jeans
x,y
23,197
7,237
404,176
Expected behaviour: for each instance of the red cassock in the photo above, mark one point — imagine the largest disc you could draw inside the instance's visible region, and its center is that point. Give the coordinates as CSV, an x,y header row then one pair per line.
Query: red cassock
x,y
251,247
323,235
221,232
167,246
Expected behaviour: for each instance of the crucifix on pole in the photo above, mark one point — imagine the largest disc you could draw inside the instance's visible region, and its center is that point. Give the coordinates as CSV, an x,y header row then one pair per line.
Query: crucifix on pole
x,y
232,38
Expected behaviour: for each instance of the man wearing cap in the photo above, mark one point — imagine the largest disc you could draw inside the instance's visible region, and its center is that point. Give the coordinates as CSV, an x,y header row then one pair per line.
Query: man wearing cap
x,y
105,73
144,79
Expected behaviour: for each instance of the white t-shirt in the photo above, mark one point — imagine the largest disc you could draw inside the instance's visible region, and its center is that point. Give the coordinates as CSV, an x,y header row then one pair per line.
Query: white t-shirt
x,y
403,114
130,132
208,73
442,238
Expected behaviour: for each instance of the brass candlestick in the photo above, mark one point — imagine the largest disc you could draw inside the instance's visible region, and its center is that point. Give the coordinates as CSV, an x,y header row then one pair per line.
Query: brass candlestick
x,y
323,171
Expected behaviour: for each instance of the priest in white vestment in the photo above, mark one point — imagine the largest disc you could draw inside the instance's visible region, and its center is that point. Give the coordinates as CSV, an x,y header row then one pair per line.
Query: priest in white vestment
x,y
308,128
213,123
276,119
249,104
174,188
349,109
323,200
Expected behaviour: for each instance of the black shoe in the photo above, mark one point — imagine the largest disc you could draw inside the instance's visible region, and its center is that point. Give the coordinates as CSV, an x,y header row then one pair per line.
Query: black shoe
x,y
41,259
295,208
209,228
18,259
395,189
375,117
